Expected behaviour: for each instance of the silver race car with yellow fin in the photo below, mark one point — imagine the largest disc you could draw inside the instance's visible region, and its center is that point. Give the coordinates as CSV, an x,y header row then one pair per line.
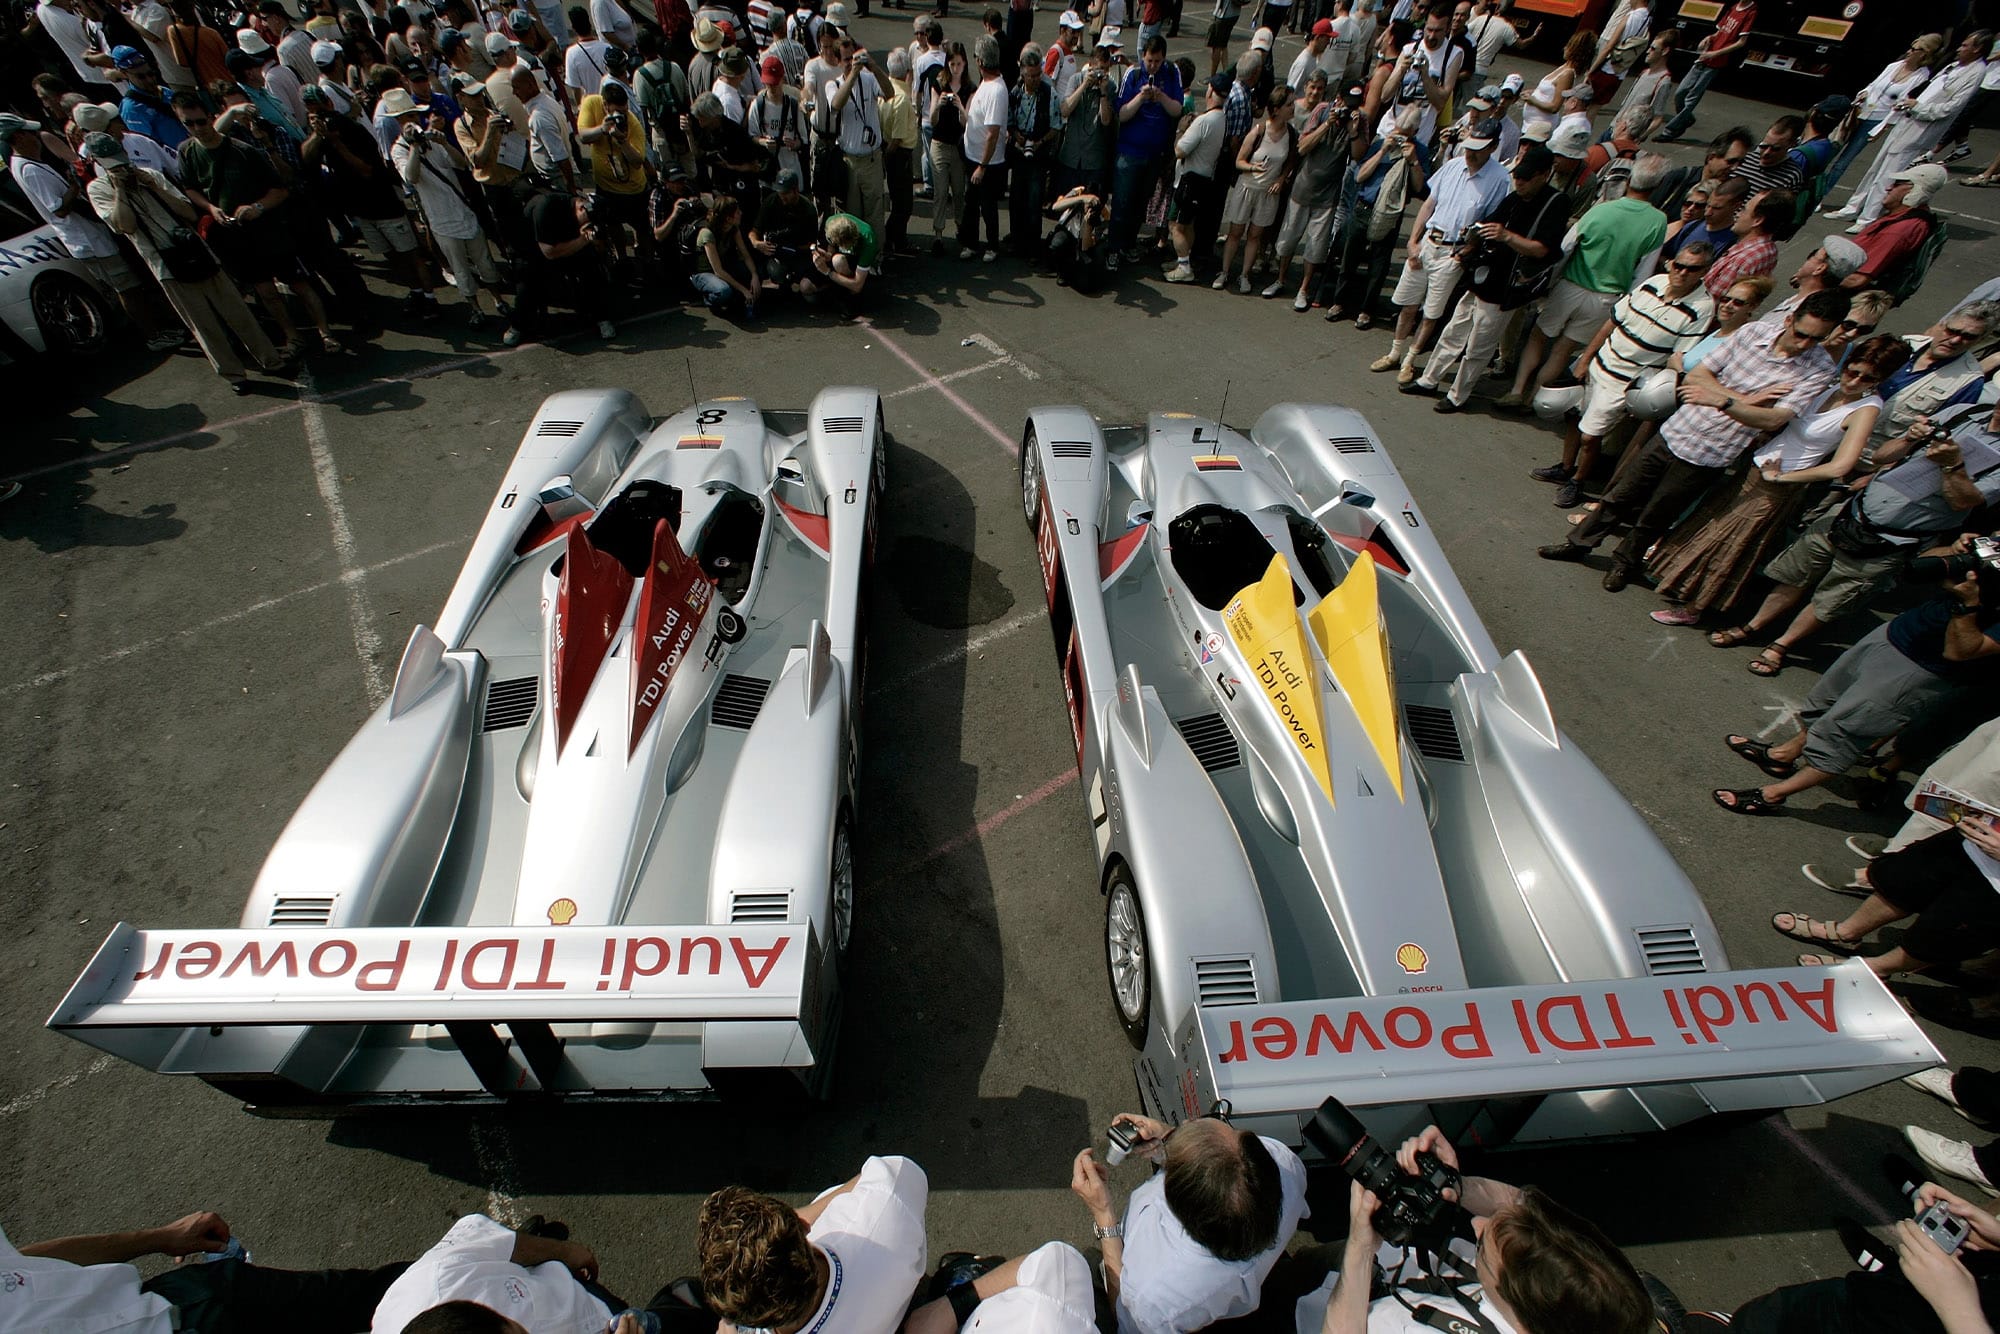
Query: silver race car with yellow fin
x,y
1343,847
598,841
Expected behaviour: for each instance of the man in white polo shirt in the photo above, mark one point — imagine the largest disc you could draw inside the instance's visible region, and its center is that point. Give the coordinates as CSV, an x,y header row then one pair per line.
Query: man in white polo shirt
x,y
536,1281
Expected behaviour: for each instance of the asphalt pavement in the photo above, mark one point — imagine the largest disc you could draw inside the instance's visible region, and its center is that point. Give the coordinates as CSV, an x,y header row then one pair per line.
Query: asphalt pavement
x,y
208,593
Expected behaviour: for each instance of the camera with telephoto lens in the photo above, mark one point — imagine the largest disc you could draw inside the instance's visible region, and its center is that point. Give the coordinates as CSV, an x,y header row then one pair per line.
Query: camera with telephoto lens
x,y
1983,560
1413,1211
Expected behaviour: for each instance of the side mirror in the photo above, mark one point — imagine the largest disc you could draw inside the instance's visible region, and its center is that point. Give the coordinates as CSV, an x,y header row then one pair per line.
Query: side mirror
x,y
559,499
1353,493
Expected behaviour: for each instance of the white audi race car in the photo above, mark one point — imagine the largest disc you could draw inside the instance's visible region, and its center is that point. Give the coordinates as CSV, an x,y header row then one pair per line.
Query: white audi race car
x,y
1344,848
598,841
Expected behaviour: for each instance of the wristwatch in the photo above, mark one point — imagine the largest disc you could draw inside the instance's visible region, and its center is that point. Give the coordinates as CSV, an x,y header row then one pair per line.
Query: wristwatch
x,y
1966,609
1951,467
1102,1233
1728,402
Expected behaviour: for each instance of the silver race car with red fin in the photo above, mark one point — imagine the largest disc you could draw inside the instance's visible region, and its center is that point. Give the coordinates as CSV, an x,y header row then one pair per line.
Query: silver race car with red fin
x,y
1343,847
598,841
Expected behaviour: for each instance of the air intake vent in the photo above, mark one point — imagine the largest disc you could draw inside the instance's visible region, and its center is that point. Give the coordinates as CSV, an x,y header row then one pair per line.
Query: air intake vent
x,y
1070,449
1670,949
301,912
760,905
558,430
1225,982
738,700
1435,731
509,703
1208,736
1352,444
840,425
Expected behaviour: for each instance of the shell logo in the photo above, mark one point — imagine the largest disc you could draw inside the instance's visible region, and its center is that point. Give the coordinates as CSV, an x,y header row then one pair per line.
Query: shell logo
x,y
563,911
1411,957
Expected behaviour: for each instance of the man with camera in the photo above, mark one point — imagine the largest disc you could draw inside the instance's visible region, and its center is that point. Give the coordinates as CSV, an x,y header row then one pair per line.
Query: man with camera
x,y
618,168
1534,1266
1200,1236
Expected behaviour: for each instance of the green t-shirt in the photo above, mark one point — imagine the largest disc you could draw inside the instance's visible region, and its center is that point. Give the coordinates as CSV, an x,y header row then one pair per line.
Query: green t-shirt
x,y
867,248
229,174
1610,241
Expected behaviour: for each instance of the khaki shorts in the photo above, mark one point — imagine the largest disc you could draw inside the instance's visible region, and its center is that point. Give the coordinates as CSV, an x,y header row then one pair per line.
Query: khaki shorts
x,y
1840,583
1575,313
1431,283
1603,406
388,237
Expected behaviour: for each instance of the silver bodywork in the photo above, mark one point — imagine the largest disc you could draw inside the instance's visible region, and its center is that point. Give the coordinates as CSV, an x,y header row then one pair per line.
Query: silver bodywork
x,y
633,728
1429,850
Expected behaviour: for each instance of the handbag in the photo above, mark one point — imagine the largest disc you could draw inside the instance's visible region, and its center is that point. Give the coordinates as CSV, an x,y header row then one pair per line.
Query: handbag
x,y
1852,535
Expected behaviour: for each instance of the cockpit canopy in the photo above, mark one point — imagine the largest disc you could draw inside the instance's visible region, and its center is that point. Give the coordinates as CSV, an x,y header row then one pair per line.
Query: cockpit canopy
x,y
1218,552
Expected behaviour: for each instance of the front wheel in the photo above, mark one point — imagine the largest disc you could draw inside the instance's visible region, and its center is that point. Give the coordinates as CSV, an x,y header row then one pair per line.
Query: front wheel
x,y
1127,957
74,320
1031,481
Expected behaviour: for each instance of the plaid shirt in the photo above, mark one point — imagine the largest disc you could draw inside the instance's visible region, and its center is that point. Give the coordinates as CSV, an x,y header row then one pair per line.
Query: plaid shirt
x,y
1237,113
1745,364
1750,257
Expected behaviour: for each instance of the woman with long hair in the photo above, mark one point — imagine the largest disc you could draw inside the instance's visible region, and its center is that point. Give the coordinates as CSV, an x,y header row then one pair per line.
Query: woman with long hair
x,y
1708,562
732,271
1543,103
951,88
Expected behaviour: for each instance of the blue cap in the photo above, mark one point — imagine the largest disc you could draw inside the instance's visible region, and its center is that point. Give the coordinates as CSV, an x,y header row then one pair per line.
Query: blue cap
x,y
128,57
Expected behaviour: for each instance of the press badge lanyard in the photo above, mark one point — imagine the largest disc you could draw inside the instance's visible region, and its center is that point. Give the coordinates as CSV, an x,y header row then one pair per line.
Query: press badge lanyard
x,y
1436,1286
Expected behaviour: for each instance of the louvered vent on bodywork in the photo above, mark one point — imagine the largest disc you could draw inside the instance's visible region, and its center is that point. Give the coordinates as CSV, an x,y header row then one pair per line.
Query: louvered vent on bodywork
x,y
738,700
1225,982
1670,949
1070,449
1351,444
1208,736
509,703
760,905
558,430
301,912
1435,732
840,425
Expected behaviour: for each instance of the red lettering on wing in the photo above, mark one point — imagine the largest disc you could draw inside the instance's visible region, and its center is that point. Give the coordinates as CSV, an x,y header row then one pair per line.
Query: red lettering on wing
x,y
1585,1037
507,950
1817,1004
1467,1041
767,958
384,974
1275,1039
252,955
198,959
540,981
1343,1039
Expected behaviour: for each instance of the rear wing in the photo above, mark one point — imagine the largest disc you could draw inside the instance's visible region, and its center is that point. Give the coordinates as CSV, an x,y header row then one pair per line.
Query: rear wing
x,y
142,989
1738,1039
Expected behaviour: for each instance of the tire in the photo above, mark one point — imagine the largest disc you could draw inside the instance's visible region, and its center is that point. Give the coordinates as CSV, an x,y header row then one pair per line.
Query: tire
x,y
729,627
1031,481
840,888
73,317
1128,957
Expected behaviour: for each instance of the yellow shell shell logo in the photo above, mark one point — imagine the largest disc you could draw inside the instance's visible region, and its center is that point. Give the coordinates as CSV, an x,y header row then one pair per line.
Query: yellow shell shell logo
x,y
563,911
1412,958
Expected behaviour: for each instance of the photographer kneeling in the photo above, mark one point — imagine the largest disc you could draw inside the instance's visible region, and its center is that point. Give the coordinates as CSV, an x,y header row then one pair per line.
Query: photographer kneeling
x,y
842,263
1536,1268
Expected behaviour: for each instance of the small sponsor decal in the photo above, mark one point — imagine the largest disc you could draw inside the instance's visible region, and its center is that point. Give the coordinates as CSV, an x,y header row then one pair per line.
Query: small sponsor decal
x,y
1217,463
700,442
562,912
1209,648
1410,957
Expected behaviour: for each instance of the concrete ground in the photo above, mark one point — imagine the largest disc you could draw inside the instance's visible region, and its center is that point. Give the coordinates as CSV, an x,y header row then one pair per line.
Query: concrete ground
x,y
207,594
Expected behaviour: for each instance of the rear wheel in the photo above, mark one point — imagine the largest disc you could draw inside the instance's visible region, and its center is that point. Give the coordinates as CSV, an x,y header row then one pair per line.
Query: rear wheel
x,y
73,318
1127,957
1031,480
840,886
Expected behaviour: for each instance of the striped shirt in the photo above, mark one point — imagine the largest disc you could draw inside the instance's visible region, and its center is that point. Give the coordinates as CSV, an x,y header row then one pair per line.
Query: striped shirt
x,y
1648,326
1746,363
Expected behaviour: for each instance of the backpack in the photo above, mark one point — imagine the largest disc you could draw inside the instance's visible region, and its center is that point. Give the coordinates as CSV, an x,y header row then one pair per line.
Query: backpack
x,y
1902,281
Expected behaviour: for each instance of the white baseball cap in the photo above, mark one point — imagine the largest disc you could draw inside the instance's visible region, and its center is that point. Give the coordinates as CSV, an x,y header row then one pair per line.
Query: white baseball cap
x,y
1261,40
1070,19
1051,1296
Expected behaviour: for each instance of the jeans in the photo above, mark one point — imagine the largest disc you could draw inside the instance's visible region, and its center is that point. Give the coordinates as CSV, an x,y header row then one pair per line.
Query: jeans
x,y
1133,182
1687,96
1852,149
716,293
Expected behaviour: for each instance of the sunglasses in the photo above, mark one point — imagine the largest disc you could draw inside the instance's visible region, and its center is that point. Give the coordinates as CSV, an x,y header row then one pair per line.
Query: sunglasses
x,y
1962,335
1732,301
1689,268
1805,337
196,122
1856,326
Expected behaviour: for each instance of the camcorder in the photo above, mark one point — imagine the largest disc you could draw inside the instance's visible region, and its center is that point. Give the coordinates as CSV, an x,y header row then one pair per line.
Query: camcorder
x,y
1983,560
1413,1211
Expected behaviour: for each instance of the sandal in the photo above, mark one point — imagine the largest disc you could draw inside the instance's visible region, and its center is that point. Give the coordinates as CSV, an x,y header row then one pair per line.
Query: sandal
x,y
1364,321
1335,315
1745,801
1818,961
1768,663
1730,638
1802,930
329,344
1759,754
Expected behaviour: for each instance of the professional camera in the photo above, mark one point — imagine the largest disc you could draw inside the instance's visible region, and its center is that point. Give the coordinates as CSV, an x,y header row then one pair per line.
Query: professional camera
x,y
1983,560
1414,1211
616,121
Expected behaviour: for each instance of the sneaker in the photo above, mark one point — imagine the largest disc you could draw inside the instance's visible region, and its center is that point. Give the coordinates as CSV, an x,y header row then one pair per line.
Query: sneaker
x,y
1111,263
1243,284
1958,153
1867,846
1221,281
166,340
1937,1083
605,328
1569,495
1842,210
966,252
1555,472
1301,302
989,257
1677,616
512,338
1856,228
1180,273
1953,1157
1840,882
1275,289
9,491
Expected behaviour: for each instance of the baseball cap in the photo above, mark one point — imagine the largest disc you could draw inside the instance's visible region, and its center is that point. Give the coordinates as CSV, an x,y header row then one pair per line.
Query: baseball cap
x,y
313,95
1070,19
1925,179
1533,160
1052,1295
1220,84
1843,257
412,65
1571,141
1579,91
1513,83
498,44
398,102
325,53
94,117
464,84
240,62
11,125
1112,37
1479,102
1261,40
1323,28
772,70
788,179
249,39
127,57
101,147
521,21
1356,93
733,60
1491,92
617,60
449,41
1483,134
1538,133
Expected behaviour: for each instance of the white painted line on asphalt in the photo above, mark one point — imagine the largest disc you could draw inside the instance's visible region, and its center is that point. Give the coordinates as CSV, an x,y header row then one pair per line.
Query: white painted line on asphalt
x,y
217,622
970,413
360,613
925,386
493,1152
982,340
36,1095
971,646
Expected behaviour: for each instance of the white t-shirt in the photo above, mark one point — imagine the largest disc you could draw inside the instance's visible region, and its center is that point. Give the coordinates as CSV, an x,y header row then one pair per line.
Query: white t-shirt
x,y
1052,1295
1201,146
611,21
1329,60
152,19
86,237
1491,34
548,135
858,123
438,191
731,98
583,66
873,1239
470,1263
1171,1283
1387,1315
38,1294
986,111
76,35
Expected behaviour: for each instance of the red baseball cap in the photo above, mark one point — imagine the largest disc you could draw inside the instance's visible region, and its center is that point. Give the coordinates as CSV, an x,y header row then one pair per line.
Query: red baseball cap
x,y
1324,28
773,70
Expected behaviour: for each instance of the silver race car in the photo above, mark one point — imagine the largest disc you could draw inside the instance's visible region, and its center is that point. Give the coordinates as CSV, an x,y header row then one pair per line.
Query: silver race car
x,y
1344,848
599,838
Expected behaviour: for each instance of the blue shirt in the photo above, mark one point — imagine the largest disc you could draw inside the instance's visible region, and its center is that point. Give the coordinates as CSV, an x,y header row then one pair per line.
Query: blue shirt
x,y
1460,197
155,120
272,110
1720,237
1919,635
1149,133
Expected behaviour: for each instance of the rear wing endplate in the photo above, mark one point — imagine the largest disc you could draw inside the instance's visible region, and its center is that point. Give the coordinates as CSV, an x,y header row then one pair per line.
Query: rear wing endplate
x,y
1706,1030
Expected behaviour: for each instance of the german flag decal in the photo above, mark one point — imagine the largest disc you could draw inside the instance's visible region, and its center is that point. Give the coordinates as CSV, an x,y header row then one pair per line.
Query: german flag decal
x,y
1217,463
700,442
